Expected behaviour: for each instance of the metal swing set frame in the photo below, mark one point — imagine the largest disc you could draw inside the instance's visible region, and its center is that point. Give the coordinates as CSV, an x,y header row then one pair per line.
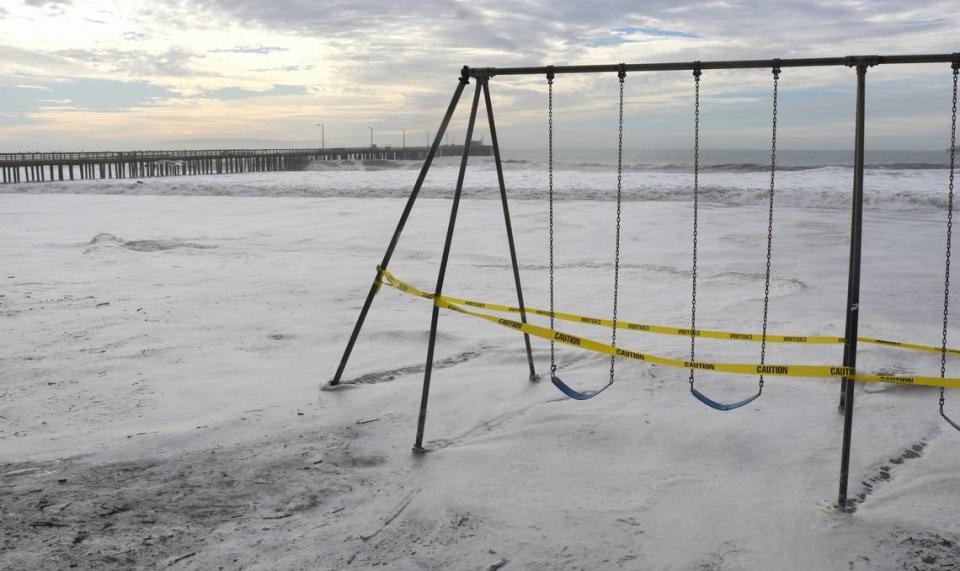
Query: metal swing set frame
x,y
482,78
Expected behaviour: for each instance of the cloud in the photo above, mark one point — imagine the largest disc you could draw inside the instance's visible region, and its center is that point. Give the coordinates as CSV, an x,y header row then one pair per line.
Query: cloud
x,y
174,62
538,30
258,50
104,95
15,60
108,95
286,68
395,63
15,119
380,43
135,36
650,31
45,3
631,34
240,93
338,17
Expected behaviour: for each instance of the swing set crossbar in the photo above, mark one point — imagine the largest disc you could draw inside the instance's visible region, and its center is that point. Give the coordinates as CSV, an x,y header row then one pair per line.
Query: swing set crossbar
x,y
846,61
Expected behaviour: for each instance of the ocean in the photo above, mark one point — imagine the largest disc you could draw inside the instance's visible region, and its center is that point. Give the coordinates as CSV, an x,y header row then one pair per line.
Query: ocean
x,y
814,179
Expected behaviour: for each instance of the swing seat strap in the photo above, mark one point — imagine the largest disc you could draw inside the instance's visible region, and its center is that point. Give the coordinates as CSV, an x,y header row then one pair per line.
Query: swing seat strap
x,y
724,407
575,394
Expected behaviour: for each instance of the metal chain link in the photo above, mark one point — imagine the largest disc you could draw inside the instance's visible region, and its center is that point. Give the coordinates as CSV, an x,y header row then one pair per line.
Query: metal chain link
x,y
616,259
766,277
696,210
946,279
553,360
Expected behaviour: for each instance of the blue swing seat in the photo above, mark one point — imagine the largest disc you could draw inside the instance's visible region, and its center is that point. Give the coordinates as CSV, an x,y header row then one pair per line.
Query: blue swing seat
x,y
575,394
721,406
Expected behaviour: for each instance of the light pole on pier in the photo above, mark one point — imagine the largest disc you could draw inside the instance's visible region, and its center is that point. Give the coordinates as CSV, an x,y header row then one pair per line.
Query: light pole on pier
x,y
323,137
371,136
404,139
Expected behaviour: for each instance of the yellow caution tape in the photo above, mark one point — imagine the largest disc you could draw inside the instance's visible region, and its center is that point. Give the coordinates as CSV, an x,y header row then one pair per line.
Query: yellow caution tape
x,y
445,302
660,329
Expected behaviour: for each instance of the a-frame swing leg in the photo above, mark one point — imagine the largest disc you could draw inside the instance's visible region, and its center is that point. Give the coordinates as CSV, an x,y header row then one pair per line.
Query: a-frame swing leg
x,y
375,286
506,218
418,445
853,286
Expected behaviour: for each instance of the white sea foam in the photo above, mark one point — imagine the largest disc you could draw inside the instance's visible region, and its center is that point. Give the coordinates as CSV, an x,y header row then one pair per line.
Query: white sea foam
x,y
889,187
186,338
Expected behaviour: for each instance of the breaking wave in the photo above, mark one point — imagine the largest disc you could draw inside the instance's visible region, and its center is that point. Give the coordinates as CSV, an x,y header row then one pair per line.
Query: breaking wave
x,y
361,165
723,184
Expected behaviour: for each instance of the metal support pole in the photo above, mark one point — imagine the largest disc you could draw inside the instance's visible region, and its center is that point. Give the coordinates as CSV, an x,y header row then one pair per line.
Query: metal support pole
x,y
853,286
418,445
506,218
375,286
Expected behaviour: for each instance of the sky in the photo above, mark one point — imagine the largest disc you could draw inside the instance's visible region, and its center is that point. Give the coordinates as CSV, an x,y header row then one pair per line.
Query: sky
x,y
119,75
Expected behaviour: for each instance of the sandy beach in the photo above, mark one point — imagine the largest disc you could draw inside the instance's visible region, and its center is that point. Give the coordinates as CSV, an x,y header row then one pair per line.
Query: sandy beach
x,y
163,360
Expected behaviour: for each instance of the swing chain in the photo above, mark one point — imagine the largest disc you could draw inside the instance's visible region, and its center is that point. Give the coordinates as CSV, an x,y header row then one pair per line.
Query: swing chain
x,y
773,171
553,361
950,186
621,74
696,209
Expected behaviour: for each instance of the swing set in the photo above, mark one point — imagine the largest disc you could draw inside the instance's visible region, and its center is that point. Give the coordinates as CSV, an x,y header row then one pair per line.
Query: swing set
x,y
847,372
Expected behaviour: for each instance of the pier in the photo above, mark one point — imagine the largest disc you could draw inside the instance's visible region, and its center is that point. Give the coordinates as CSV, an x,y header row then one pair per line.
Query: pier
x,y
44,167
